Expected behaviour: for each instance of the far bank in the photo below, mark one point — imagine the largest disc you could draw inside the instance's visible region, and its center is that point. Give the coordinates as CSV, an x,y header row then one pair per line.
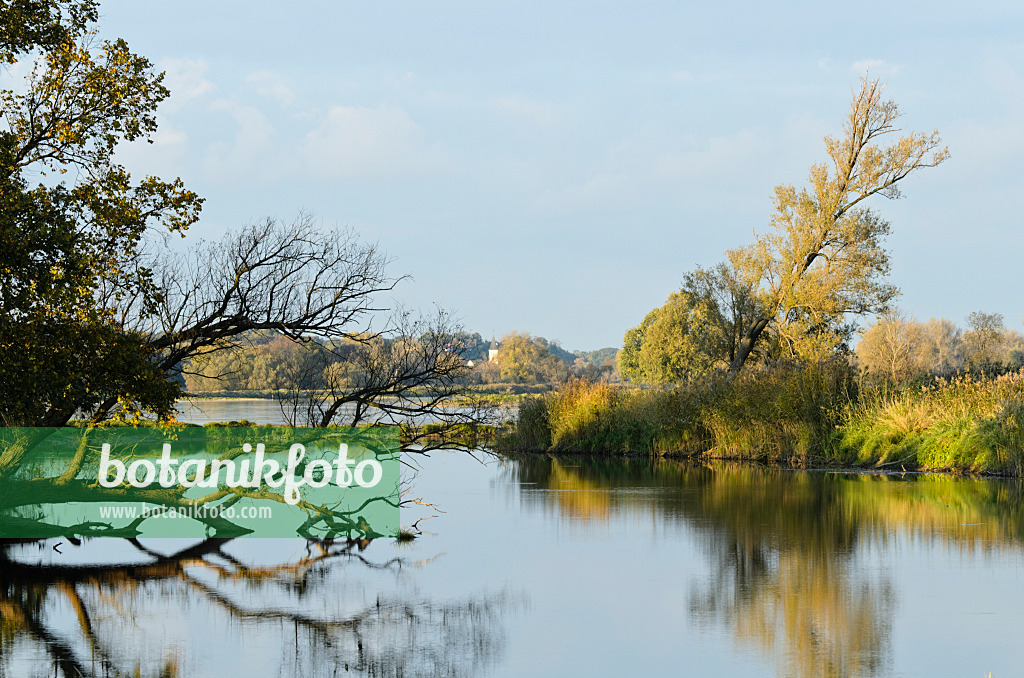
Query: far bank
x,y
819,414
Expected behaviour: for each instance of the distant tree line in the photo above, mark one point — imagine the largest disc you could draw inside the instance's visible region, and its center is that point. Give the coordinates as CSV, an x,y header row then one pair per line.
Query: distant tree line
x,y
525,359
267,361
898,348
688,337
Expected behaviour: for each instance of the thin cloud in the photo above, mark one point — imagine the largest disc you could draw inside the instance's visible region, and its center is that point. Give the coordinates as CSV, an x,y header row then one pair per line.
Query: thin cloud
x,y
362,142
251,148
186,78
686,76
876,67
521,109
272,86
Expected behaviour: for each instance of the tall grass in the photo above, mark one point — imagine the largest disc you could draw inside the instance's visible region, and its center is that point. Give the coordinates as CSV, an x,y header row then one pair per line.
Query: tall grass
x,y
961,423
587,417
811,413
788,412
779,413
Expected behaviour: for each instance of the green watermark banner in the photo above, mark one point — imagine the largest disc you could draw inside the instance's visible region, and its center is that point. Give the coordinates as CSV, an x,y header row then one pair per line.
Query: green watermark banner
x,y
189,481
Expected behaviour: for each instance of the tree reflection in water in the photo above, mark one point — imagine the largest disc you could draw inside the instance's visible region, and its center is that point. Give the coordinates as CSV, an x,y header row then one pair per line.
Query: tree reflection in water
x,y
790,554
180,614
786,573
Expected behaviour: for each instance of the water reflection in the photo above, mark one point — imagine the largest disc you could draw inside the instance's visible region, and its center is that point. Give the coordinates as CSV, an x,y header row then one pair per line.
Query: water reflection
x,y
786,577
795,573
631,568
203,610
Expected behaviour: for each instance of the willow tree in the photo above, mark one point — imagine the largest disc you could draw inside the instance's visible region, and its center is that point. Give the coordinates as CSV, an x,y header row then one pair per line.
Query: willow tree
x,y
823,257
682,339
894,347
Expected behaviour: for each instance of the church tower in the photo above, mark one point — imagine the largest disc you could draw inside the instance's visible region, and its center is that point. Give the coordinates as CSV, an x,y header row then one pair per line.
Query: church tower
x,y
492,352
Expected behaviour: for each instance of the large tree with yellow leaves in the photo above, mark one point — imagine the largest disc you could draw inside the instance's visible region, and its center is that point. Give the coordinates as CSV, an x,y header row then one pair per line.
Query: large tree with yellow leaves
x,y
823,257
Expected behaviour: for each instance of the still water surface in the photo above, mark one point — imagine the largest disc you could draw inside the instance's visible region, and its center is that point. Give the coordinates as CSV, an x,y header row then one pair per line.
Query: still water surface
x,y
560,568
265,411
256,410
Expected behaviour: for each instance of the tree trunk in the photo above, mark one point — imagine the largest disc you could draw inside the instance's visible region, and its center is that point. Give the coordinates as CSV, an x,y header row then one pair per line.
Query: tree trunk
x,y
747,343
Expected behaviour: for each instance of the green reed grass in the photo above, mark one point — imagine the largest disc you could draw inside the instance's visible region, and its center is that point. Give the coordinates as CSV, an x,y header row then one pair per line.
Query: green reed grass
x,y
811,413
961,423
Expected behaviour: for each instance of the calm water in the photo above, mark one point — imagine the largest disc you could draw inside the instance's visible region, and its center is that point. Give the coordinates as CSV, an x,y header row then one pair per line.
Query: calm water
x,y
263,411
256,410
560,568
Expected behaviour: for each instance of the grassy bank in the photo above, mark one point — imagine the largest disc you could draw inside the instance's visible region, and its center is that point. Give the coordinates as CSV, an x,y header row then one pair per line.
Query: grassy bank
x,y
961,424
803,414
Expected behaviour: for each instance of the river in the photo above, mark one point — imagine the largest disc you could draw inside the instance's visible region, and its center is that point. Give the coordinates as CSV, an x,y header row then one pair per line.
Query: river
x,y
256,410
546,567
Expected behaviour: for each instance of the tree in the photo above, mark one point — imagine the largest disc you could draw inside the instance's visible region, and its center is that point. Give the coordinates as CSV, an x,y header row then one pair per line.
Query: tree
x,y
28,24
942,347
731,298
893,347
823,257
411,373
71,245
983,341
524,359
342,357
599,365
96,321
632,344
680,340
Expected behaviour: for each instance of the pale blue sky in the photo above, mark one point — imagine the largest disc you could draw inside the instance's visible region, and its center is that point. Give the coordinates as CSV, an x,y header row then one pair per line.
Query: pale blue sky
x,y
556,167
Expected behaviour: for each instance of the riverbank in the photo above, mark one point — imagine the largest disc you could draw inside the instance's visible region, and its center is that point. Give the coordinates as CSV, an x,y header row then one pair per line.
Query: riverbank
x,y
819,414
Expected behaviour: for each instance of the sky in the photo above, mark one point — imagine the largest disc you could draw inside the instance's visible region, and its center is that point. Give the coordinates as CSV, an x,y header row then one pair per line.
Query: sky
x,y
557,167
